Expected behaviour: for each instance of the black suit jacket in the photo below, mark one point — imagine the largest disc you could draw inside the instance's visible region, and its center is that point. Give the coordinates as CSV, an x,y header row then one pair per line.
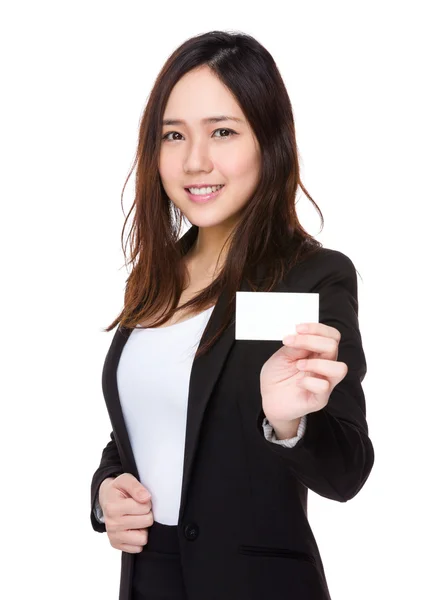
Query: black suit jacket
x,y
243,527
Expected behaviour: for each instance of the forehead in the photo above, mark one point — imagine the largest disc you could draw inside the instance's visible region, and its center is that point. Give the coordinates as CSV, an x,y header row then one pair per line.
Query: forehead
x,y
198,95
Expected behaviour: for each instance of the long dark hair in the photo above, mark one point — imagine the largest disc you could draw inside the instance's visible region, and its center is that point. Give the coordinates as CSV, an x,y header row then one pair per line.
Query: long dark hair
x,y
268,231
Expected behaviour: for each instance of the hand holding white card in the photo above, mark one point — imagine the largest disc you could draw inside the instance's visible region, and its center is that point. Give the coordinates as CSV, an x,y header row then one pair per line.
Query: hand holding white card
x,y
272,315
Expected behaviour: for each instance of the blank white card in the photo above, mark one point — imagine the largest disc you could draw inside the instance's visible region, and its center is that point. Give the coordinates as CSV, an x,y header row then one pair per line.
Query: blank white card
x,y
272,315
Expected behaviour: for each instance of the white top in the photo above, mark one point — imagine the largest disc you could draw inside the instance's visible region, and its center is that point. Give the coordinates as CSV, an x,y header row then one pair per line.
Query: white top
x,y
153,378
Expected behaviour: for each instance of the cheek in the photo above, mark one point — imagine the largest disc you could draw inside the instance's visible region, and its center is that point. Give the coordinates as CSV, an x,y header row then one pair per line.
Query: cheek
x,y
168,167
240,168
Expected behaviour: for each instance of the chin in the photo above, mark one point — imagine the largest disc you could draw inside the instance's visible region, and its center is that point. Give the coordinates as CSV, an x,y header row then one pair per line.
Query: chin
x,y
205,220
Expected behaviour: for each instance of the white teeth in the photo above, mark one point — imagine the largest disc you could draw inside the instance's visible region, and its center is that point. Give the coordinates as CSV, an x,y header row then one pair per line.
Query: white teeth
x,y
205,190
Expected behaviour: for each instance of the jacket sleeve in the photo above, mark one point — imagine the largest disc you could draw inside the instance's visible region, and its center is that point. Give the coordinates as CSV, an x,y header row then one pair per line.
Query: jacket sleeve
x,y
110,466
335,455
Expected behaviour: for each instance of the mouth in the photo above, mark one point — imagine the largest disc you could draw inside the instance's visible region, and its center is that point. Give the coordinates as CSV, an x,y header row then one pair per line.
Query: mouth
x,y
201,198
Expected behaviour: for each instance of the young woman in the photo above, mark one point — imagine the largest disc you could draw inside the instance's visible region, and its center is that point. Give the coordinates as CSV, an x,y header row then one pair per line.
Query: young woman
x,y
216,441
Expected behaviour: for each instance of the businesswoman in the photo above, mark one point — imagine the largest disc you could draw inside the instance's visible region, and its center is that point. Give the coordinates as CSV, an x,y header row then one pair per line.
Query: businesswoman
x,y
216,441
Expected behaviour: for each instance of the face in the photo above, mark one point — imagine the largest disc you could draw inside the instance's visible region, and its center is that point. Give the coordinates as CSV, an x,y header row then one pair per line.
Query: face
x,y
225,152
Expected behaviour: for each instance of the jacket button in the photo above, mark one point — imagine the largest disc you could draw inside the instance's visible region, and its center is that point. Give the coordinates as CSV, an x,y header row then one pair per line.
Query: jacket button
x,y
191,531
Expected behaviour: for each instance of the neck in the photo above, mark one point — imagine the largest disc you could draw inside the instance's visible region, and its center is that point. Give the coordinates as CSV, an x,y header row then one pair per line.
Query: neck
x,y
209,248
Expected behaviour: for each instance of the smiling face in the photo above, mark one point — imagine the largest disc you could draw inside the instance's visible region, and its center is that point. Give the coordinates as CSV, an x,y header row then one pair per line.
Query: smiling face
x,y
213,153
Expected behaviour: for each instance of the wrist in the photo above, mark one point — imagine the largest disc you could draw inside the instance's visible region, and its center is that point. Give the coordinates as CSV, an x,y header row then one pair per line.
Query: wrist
x,y
285,429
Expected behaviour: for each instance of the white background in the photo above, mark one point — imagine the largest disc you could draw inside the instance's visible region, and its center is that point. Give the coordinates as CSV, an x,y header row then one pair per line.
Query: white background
x,y
367,81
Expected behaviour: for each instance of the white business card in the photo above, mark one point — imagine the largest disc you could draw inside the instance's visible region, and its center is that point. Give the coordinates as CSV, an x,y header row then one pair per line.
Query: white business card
x,y
272,315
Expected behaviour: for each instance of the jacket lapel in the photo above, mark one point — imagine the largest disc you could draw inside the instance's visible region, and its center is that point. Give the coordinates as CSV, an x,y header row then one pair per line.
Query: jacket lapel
x,y
204,375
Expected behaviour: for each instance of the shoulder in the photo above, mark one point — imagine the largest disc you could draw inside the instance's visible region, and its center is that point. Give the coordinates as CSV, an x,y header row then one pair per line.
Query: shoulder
x,y
324,265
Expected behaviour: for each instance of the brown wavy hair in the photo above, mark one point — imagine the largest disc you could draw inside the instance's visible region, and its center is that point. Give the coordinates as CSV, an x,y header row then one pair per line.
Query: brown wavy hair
x,y
268,232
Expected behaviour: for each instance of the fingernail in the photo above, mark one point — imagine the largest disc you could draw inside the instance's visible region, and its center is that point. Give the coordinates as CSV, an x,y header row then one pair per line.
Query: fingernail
x,y
302,327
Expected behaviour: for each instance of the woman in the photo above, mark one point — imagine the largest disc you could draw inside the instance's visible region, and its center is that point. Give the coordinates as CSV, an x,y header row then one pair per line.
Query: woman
x,y
223,438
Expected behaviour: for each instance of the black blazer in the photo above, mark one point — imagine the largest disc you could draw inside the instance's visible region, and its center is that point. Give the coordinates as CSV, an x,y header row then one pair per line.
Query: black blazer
x,y
243,527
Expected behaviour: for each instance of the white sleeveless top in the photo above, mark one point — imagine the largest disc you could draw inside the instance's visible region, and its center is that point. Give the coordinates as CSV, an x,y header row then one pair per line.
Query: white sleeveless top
x,y
153,379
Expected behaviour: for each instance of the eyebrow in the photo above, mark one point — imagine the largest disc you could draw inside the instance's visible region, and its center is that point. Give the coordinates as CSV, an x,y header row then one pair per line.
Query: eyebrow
x,y
216,119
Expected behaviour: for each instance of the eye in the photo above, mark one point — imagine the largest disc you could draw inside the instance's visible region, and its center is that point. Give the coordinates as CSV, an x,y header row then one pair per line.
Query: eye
x,y
230,132
165,137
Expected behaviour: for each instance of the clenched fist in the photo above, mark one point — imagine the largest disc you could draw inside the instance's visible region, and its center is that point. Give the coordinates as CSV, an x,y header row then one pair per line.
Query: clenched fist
x,y
126,506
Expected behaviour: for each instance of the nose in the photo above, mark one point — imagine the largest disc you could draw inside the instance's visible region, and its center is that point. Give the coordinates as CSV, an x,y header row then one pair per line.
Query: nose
x,y
198,156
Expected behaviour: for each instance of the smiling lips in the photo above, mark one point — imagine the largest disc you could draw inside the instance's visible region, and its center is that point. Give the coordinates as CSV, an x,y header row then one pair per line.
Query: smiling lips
x,y
202,185
201,198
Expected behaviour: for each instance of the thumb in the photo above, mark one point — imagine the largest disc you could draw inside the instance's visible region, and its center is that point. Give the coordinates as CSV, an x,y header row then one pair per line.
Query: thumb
x,y
294,353
140,493
136,490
